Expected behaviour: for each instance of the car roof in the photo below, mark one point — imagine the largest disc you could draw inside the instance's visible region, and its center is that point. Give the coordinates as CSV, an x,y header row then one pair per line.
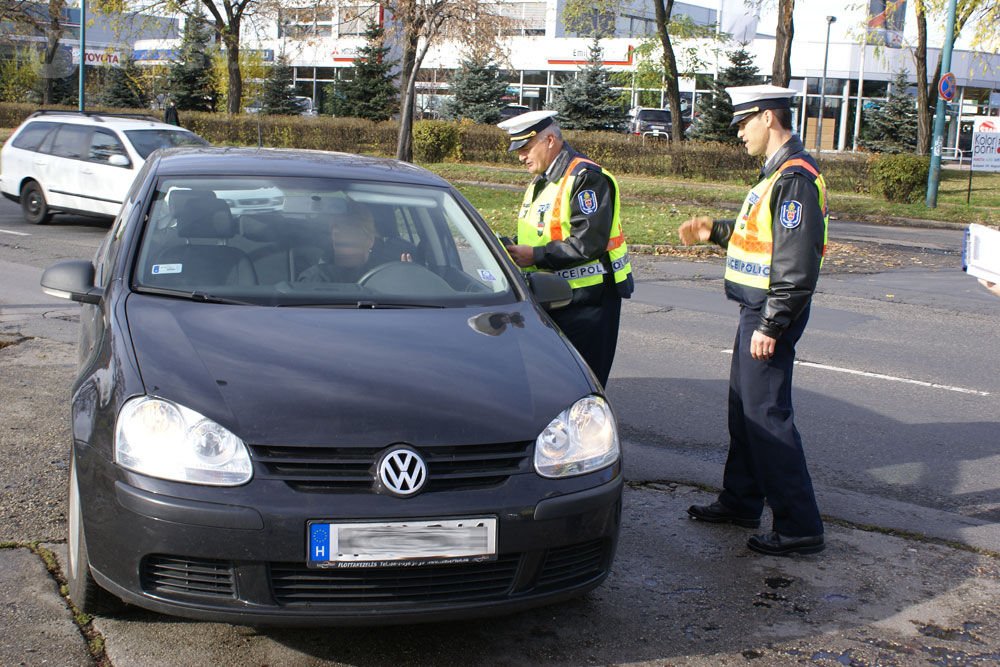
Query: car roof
x,y
112,121
241,161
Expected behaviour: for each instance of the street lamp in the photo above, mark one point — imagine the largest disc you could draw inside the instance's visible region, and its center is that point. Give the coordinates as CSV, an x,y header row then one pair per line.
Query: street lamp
x,y
830,20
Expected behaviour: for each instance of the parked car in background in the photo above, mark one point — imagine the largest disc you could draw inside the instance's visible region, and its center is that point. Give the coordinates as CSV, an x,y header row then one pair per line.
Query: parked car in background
x,y
256,442
650,123
78,162
512,110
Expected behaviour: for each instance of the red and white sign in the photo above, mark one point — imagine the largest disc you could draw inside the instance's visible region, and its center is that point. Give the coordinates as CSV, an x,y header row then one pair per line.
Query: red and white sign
x,y
98,57
986,143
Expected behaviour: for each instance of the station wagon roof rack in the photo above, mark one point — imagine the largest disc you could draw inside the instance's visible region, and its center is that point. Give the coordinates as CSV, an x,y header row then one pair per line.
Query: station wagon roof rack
x,y
96,115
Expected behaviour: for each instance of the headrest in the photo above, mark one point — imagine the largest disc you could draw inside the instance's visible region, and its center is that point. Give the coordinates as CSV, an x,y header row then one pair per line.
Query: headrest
x,y
203,216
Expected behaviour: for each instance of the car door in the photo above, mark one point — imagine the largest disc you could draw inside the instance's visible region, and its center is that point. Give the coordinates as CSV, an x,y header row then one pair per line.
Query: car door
x,y
59,167
106,172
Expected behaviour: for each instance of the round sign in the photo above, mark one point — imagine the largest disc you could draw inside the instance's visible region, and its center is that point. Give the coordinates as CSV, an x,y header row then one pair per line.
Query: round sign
x,y
946,87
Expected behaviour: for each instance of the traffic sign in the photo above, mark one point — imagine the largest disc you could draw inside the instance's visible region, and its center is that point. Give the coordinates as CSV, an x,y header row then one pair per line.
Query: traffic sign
x,y
946,87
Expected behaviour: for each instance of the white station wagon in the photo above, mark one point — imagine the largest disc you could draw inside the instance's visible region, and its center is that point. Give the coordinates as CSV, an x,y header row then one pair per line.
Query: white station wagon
x,y
80,162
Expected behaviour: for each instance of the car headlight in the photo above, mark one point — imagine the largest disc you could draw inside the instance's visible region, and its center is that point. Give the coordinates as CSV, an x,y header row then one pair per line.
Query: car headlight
x,y
162,439
582,439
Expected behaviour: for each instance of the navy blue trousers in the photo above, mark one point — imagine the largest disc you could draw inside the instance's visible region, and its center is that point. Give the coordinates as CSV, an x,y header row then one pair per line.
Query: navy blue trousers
x,y
766,460
593,330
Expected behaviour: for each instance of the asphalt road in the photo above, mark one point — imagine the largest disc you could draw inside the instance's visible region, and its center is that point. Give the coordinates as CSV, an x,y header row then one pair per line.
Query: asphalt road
x,y
895,398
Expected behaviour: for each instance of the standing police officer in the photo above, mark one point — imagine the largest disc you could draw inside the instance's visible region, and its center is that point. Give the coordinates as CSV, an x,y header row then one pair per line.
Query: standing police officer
x,y
569,224
774,252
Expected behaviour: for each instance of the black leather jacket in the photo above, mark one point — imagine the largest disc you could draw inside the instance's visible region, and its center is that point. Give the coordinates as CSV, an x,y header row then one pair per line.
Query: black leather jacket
x,y
796,253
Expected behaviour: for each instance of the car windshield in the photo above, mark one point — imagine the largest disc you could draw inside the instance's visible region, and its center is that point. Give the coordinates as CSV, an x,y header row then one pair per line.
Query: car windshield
x,y
654,116
316,242
147,141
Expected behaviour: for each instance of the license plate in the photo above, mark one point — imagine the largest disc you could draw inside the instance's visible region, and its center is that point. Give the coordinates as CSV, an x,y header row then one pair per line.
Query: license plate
x,y
393,544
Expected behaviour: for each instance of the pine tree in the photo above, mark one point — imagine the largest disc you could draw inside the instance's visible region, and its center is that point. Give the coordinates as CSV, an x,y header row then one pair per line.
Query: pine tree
x,y
190,77
588,101
371,93
478,87
715,110
892,127
122,89
278,98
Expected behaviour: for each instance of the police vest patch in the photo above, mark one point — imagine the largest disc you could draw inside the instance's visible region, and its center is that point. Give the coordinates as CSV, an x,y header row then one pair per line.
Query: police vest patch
x,y
588,201
790,214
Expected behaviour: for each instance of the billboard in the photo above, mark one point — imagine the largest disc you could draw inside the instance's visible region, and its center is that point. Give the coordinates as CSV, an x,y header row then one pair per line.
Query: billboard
x,y
885,22
986,143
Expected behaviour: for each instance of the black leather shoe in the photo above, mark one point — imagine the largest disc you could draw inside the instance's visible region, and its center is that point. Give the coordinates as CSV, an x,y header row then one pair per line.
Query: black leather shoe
x,y
719,513
775,544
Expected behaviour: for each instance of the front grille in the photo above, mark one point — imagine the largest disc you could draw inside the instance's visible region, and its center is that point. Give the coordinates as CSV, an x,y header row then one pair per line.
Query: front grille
x,y
170,575
333,469
298,585
567,566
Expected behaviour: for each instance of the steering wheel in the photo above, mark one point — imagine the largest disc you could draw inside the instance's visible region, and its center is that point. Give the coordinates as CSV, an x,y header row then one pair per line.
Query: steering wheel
x,y
405,278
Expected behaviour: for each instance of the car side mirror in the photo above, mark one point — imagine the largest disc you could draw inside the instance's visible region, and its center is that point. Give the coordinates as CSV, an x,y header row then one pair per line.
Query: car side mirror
x,y
118,160
73,279
551,291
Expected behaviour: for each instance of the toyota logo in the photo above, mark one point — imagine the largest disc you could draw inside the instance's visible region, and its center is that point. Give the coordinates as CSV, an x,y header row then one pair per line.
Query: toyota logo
x,y
402,472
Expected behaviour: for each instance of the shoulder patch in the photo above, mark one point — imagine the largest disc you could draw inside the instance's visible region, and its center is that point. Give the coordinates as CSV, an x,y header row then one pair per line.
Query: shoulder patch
x,y
790,214
588,201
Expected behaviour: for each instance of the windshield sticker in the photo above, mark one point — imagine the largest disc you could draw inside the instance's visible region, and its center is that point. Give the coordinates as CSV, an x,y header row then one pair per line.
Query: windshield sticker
x,y
160,269
486,276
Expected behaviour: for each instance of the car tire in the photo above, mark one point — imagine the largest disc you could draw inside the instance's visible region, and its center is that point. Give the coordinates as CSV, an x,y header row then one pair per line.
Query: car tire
x,y
33,205
84,591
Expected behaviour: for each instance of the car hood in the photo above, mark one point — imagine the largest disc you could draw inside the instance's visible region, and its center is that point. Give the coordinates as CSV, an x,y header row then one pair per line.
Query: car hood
x,y
329,376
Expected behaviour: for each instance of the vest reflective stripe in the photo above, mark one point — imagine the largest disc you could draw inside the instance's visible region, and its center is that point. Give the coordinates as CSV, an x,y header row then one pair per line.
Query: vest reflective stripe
x,y
547,218
748,256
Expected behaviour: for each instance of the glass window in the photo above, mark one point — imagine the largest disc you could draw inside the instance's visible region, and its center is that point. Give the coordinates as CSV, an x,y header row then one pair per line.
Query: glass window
x,y
535,77
70,141
317,242
103,145
147,141
30,138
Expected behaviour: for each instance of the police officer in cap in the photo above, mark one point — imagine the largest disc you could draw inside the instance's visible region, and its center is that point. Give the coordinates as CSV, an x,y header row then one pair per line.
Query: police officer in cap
x,y
774,252
569,223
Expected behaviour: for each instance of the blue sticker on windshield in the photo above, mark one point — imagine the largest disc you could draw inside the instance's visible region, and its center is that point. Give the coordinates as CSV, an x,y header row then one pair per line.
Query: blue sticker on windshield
x,y
588,201
486,276
790,214
159,269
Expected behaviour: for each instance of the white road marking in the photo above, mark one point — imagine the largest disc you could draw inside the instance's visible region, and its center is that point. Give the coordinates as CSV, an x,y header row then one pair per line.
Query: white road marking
x,y
891,378
8,231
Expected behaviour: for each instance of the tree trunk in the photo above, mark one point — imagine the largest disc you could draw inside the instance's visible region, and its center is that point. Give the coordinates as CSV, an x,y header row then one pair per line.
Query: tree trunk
x,y
781,69
234,93
663,12
53,32
923,94
410,70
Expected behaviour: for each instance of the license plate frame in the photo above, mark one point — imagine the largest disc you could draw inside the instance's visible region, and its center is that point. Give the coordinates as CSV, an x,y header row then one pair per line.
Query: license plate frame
x,y
401,543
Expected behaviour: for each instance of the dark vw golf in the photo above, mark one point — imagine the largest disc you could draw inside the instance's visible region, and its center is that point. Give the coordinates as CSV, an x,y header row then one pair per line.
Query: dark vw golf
x,y
314,390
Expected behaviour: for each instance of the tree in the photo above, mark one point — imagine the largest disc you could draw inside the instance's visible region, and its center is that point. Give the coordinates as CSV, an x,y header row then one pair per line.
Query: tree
x,y
122,88
781,68
371,93
278,98
190,78
424,22
47,19
588,102
715,110
891,128
478,87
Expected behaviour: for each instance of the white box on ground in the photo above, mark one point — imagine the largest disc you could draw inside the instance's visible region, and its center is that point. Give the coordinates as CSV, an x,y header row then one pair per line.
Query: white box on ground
x,y
981,254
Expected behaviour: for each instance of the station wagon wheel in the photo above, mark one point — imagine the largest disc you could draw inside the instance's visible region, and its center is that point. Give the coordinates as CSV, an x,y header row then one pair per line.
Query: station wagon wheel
x,y
33,204
88,597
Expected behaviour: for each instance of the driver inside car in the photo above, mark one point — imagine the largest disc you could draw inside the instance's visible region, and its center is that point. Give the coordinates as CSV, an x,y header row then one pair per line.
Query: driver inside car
x,y
356,248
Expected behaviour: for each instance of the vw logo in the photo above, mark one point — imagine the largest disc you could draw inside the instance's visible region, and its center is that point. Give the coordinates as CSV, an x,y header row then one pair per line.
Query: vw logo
x,y
402,472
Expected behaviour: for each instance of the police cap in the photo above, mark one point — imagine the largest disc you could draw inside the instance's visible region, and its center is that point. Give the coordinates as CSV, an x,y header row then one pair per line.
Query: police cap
x,y
748,100
523,127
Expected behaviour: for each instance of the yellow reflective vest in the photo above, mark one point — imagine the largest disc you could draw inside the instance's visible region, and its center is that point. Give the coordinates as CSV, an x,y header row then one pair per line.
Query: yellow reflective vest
x,y
748,256
546,218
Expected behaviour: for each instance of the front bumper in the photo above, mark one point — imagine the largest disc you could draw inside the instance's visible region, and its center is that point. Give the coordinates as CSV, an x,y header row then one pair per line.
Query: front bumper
x,y
240,558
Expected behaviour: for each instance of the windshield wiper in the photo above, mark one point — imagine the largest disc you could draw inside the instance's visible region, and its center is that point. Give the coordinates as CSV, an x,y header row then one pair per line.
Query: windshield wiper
x,y
202,297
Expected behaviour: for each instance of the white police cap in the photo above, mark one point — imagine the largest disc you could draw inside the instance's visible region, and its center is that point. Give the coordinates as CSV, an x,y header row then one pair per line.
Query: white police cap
x,y
523,127
748,100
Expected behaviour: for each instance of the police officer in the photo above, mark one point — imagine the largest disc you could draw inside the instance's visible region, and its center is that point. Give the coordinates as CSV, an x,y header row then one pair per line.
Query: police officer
x,y
774,252
569,223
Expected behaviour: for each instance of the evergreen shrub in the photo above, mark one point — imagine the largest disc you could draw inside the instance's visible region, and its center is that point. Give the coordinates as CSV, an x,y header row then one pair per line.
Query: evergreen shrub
x,y
436,141
899,177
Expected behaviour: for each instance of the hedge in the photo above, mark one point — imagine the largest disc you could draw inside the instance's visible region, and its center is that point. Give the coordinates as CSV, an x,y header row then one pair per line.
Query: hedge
x,y
468,142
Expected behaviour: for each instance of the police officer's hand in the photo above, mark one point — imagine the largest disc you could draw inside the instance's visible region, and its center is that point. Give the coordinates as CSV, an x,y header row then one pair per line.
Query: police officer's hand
x,y
762,346
696,230
523,255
